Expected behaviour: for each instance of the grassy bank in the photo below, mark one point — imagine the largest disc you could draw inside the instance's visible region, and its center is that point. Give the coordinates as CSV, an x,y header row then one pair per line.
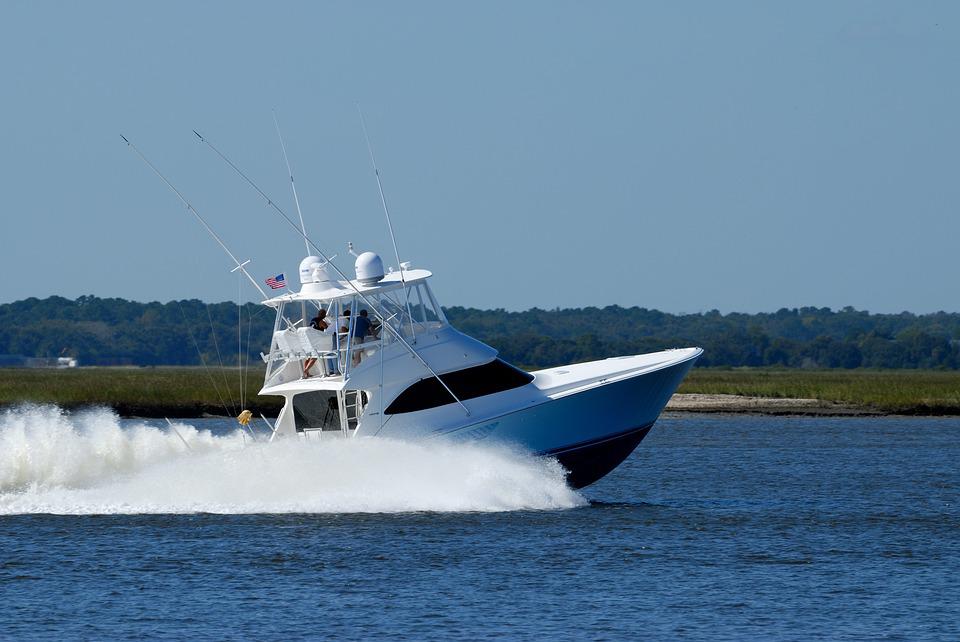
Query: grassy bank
x,y
147,392
920,392
186,392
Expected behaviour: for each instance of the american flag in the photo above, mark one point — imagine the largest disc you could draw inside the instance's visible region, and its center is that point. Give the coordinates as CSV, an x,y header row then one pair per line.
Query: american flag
x,y
279,281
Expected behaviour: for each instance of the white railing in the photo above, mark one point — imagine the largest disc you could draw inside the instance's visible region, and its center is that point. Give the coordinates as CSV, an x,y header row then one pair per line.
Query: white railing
x,y
334,354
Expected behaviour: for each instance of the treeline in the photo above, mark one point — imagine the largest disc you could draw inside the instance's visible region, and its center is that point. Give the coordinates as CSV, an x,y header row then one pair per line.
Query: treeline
x,y
119,332
793,338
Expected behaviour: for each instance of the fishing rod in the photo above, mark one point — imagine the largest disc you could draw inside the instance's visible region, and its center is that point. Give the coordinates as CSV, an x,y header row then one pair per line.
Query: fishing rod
x,y
238,265
386,211
376,310
272,204
293,186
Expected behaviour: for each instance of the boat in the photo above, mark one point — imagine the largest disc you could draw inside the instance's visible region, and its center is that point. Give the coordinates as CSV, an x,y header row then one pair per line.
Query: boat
x,y
405,373
414,376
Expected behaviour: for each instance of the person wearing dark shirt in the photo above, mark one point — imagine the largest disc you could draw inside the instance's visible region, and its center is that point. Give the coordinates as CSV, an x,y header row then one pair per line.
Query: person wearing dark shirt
x,y
361,328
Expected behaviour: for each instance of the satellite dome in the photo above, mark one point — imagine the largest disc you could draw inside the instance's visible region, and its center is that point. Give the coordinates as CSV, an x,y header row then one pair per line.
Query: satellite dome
x,y
306,268
369,268
312,270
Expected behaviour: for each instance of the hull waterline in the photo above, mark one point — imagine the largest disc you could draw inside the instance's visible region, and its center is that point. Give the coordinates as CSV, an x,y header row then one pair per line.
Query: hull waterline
x,y
589,463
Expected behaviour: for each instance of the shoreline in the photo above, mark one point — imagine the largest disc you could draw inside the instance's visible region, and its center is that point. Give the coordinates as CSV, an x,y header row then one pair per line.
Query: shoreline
x,y
183,392
773,406
680,403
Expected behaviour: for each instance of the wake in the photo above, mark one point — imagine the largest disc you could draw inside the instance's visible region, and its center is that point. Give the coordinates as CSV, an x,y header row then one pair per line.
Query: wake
x,y
95,463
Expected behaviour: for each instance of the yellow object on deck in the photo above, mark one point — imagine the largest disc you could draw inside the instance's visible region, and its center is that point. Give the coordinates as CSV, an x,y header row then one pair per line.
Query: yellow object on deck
x,y
244,417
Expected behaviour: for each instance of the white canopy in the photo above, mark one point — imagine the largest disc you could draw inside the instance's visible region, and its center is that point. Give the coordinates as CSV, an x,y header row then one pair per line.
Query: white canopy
x,y
331,290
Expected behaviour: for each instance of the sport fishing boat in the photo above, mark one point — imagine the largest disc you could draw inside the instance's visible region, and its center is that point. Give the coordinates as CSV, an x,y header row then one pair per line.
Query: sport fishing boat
x,y
414,376
386,363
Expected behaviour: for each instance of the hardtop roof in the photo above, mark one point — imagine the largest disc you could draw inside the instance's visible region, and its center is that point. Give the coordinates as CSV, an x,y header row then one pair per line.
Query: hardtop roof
x,y
332,290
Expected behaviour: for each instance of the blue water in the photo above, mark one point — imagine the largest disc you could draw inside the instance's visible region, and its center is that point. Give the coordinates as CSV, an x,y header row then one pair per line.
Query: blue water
x,y
717,528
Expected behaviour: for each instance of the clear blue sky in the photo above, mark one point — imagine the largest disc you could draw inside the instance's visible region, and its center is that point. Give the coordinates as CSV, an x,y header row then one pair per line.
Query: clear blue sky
x,y
683,156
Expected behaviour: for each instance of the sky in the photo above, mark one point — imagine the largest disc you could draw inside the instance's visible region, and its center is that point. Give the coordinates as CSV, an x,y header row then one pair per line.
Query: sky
x,y
739,156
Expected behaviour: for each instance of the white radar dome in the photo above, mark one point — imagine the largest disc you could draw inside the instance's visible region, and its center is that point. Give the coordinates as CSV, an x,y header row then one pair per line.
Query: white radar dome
x,y
306,268
369,267
312,271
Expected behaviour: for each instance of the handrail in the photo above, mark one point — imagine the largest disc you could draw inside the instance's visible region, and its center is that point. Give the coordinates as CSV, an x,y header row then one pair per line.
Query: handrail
x,y
278,355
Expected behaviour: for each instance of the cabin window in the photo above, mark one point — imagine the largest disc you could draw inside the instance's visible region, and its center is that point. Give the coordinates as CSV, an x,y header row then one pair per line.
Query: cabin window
x,y
437,310
391,304
469,383
425,310
317,410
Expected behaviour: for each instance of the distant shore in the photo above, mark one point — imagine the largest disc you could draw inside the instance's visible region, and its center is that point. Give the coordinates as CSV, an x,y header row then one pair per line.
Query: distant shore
x,y
740,404
197,392
820,392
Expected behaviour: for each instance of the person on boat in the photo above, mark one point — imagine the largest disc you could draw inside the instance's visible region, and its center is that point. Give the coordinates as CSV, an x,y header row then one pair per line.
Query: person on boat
x,y
320,324
361,328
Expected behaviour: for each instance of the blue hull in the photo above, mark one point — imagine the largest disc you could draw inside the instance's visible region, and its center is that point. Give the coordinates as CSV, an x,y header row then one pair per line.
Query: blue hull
x,y
590,432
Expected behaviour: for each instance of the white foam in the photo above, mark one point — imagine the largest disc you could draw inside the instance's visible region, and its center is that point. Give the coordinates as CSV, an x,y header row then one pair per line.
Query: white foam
x,y
94,463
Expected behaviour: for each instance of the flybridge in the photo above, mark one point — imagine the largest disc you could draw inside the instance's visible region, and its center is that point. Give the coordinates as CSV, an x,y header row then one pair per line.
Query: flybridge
x,y
330,352
307,354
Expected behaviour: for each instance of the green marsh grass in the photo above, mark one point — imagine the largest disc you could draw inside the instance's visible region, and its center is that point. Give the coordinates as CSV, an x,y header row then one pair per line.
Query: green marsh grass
x,y
161,391
183,392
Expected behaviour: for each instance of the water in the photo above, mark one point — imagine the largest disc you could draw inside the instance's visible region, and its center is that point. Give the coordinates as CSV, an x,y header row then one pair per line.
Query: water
x,y
716,528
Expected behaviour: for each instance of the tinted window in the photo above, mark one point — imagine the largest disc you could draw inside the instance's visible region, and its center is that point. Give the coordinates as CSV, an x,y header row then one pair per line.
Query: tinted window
x,y
468,383
318,409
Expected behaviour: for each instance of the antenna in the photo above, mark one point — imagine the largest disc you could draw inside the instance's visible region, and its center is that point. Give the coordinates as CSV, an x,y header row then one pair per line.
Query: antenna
x,y
238,265
276,208
293,185
386,211
373,306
